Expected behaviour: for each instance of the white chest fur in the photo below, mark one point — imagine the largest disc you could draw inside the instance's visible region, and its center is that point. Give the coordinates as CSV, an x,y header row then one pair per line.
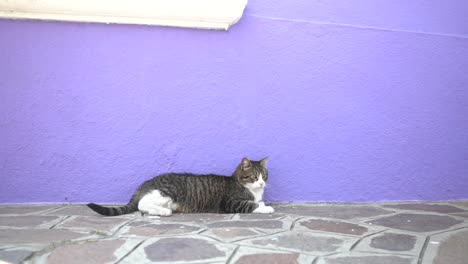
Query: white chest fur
x,y
258,194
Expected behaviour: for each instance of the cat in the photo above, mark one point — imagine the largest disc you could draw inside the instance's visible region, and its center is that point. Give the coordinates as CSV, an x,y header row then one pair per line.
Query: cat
x,y
190,193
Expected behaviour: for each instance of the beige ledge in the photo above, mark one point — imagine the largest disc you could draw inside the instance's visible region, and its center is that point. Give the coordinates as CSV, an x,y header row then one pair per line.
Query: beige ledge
x,y
204,14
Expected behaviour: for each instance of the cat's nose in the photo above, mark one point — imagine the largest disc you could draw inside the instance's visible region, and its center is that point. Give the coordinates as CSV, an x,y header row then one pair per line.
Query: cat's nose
x,y
261,184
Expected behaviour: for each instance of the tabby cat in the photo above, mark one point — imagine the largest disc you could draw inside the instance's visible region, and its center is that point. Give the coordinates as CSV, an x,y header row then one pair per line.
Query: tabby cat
x,y
189,193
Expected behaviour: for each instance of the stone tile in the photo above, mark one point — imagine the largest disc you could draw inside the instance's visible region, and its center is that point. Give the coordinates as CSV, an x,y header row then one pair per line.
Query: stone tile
x,y
196,218
98,223
264,224
257,216
392,242
24,209
36,236
14,256
147,229
247,255
377,259
436,208
278,258
417,222
447,248
332,211
176,249
230,234
81,210
331,226
302,242
453,250
103,251
26,220
140,223
180,249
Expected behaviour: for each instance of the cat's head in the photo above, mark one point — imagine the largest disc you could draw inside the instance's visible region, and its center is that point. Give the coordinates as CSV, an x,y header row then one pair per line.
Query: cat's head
x,y
252,174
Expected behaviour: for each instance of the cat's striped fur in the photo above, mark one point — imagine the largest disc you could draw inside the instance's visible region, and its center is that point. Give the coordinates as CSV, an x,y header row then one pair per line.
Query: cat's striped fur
x,y
188,193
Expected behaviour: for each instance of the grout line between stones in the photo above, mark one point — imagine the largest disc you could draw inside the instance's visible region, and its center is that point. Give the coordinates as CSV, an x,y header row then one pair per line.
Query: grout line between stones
x,y
214,238
387,253
423,249
354,245
121,226
59,222
130,251
164,236
232,216
261,235
50,210
31,256
407,211
336,253
293,224
449,230
203,230
234,252
364,220
280,250
260,231
461,218
281,217
315,260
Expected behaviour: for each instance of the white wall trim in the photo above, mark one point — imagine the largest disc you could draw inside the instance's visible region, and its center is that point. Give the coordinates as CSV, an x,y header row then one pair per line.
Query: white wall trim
x,y
206,14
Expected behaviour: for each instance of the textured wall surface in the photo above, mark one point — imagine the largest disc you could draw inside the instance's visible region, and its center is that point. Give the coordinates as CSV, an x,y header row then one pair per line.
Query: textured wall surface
x,y
357,100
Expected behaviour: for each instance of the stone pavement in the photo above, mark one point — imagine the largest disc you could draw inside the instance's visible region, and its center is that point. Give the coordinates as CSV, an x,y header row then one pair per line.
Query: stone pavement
x,y
389,233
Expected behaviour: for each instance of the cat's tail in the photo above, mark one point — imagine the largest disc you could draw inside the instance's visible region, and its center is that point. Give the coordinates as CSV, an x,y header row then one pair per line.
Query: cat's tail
x,y
112,211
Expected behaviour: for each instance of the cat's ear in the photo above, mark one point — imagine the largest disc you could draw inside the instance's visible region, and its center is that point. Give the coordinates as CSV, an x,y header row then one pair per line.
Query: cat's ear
x,y
264,162
245,163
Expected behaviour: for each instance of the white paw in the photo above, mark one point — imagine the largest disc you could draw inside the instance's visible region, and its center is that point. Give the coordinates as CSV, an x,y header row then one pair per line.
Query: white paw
x,y
262,209
165,212
269,209
158,211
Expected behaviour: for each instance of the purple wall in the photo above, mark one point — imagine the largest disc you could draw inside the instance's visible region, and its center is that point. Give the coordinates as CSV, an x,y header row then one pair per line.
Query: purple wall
x,y
360,100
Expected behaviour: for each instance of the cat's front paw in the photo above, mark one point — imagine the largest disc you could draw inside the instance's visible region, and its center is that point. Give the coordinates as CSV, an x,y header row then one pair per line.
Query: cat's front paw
x,y
269,209
262,209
